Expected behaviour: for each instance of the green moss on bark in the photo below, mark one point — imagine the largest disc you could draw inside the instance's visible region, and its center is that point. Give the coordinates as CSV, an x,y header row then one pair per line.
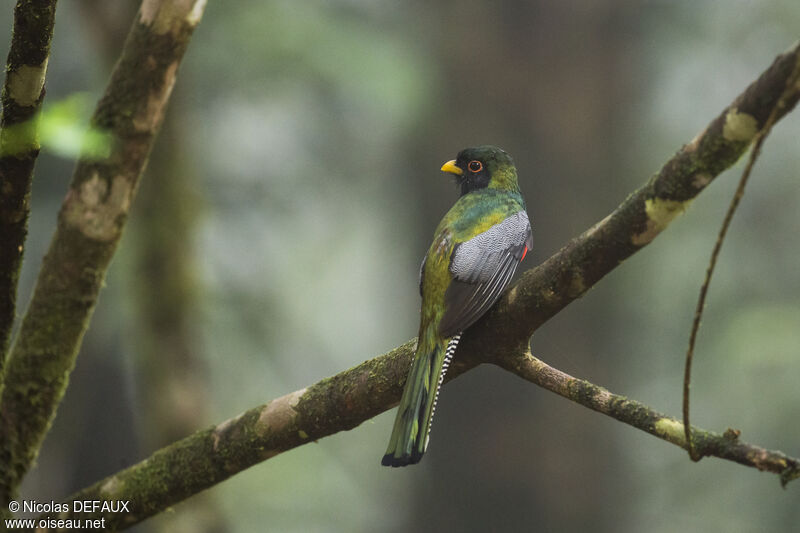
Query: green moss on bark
x,y
347,399
22,96
542,292
89,228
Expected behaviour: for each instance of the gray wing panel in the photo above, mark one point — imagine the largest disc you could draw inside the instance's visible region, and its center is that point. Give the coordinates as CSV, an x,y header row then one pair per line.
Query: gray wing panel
x,y
482,268
476,260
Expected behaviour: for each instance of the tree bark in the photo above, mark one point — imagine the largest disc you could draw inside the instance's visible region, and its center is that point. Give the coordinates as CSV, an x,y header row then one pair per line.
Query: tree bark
x,y
22,97
90,225
347,399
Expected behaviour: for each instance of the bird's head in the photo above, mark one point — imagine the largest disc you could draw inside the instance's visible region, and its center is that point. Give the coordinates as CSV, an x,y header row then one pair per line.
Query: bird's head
x,y
483,167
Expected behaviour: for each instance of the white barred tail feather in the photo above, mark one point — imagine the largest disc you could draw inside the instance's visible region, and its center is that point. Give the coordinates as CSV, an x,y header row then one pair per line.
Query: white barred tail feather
x,y
448,357
411,432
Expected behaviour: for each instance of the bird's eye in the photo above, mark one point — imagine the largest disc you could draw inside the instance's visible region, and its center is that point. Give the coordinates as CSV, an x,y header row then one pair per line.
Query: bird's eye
x,y
475,166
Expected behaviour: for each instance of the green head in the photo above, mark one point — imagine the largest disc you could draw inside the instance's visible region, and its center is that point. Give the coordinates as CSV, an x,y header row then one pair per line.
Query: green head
x,y
483,167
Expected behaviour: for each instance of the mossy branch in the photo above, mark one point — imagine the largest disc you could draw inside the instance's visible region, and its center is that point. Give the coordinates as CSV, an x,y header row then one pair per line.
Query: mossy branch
x,y
90,225
349,398
706,443
570,272
21,99
791,88
344,401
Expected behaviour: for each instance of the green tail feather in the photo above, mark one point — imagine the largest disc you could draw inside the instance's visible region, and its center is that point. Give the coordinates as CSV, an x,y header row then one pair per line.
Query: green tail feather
x,y
414,415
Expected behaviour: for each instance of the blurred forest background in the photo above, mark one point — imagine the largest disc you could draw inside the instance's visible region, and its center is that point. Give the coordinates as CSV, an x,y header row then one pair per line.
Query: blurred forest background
x,y
294,188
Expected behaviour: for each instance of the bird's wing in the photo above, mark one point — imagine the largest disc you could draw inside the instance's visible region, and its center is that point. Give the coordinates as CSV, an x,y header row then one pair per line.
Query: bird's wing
x,y
482,268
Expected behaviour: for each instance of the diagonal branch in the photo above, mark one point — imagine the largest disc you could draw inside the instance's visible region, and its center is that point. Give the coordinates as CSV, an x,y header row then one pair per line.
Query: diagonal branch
x,y
569,273
762,134
90,225
22,97
349,398
344,401
706,443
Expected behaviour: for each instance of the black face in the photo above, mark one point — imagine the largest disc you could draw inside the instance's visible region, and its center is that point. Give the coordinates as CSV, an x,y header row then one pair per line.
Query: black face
x,y
478,165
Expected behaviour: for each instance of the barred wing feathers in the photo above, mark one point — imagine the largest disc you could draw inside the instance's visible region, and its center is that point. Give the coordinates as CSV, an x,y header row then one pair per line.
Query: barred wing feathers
x,y
482,268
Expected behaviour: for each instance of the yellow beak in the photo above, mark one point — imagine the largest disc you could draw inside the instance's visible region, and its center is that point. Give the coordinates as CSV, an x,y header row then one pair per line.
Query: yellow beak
x,y
451,167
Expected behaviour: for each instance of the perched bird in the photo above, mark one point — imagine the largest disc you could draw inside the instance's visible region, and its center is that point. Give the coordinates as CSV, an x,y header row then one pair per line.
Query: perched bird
x,y
476,249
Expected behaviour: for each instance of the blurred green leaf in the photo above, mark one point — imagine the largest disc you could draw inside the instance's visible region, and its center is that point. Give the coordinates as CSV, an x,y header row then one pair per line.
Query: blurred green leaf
x,y
63,129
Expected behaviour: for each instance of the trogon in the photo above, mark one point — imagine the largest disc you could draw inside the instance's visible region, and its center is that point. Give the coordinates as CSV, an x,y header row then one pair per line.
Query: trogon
x,y
476,249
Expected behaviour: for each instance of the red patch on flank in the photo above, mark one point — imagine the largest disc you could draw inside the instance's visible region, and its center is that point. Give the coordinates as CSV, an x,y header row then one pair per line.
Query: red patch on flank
x,y
524,253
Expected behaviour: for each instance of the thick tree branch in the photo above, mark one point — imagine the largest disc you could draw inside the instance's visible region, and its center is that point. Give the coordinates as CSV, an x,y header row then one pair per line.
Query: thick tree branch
x,y
90,224
22,97
343,402
347,399
569,273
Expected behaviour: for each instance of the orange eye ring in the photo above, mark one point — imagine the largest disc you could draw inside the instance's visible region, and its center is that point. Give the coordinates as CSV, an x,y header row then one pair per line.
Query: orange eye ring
x,y
475,166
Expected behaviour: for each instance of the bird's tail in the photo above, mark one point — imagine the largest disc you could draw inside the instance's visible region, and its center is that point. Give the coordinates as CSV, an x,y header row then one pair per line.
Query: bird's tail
x,y
412,425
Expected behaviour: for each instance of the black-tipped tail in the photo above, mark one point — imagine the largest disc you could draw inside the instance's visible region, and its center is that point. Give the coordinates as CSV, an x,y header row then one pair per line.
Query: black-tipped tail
x,y
414,415
401,460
